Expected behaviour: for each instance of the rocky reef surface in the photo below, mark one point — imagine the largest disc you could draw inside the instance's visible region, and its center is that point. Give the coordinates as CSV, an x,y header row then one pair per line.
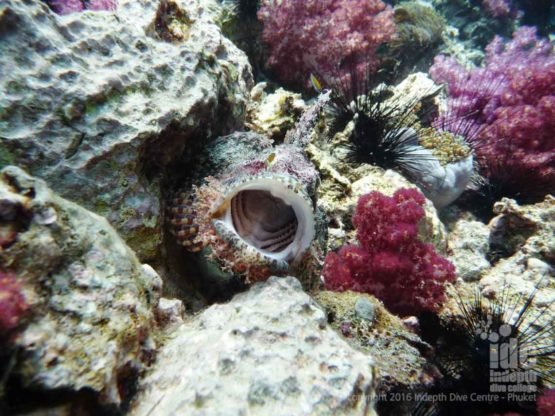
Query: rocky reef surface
x,y
367,325
267,351
99,104
515,250
89,326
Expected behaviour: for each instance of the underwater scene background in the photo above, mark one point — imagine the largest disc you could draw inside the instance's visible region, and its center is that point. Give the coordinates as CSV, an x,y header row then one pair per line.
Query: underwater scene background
x,y
285,207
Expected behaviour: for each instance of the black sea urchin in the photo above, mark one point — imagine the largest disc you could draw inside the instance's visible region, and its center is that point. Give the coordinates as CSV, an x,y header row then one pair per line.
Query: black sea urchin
x,y
248,8
389,130
384,133
496,357
503,177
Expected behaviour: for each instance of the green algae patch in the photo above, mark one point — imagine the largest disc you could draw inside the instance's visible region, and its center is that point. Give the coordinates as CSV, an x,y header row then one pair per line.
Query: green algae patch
x,y
383,337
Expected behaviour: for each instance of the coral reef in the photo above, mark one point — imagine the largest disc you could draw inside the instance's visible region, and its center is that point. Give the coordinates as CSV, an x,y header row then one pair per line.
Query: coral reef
x,y
390,261
301,228
468,247
328,36
418,26
513,256
267,351
510,100
72,6
99,106
522,248
419,33
343,182
91,303
471,26
498,8
12,302
468,351
239,23
172,23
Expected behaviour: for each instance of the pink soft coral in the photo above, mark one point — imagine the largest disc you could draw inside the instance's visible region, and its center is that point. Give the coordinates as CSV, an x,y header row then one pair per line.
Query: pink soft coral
x,y
12,302
546,403
102,5
511,101
331,36
390,261
72,6
498,8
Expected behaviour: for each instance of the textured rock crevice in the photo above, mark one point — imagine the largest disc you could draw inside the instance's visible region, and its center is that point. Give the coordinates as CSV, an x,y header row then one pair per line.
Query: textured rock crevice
x,y
90,327
92,101
267,351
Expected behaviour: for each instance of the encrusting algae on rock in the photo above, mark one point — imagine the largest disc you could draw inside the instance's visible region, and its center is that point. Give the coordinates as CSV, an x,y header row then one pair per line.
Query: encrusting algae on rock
x,y
89,319
381,334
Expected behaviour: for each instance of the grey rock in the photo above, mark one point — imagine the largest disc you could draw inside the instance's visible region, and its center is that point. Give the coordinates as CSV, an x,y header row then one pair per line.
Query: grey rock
x,y
399,353
170,311
268,351
523,238
364,309
469,244
99,103
91,302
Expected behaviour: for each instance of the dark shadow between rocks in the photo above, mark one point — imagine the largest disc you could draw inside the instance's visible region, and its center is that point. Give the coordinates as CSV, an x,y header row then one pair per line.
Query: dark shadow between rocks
x,y
177,161
20,400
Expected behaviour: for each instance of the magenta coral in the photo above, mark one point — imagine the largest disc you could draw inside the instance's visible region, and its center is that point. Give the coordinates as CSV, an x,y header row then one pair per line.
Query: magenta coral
x,y
71,6
12,303
498,8
102,5
546,403
511,100
390,262
331,36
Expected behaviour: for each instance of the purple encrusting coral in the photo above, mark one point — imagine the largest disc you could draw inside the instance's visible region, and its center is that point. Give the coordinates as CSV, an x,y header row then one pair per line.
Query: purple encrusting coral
x,y
12,302
333,37
498,8
390,262
510,101
73,6
102,5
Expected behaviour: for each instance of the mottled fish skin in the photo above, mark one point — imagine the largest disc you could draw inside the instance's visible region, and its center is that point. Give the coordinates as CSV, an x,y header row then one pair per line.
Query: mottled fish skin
x,y
239,177
181,217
